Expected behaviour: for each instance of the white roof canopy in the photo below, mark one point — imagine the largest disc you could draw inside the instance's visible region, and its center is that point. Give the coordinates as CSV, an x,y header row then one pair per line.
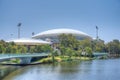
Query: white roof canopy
x,y
24,41
56,32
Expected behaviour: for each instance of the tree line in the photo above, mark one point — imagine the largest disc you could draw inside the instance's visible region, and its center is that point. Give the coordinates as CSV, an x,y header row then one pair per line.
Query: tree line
x,y
11,47
68,46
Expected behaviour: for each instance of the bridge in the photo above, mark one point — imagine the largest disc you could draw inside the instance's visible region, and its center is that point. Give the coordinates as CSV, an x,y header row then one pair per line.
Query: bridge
x,y
25,58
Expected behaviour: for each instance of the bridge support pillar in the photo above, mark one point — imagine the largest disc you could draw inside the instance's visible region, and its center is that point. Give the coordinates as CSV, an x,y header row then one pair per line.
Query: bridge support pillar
x,y
25,60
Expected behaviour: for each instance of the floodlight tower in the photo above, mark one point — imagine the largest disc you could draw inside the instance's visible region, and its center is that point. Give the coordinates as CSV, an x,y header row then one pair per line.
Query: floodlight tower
x,y
97,37
19,25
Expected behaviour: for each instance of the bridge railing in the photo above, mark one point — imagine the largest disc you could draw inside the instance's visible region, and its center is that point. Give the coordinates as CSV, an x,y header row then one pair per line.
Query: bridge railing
x,y
2,56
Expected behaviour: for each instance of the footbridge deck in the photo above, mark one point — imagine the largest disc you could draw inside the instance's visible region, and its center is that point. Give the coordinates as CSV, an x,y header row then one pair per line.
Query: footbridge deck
x,y
7,56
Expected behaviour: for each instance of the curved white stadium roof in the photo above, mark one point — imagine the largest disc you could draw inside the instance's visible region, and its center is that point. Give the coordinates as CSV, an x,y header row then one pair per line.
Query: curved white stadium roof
x,y
24,41
55,32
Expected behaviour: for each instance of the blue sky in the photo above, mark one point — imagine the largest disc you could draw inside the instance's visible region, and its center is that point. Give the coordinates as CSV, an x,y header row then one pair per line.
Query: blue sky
x,y
41,15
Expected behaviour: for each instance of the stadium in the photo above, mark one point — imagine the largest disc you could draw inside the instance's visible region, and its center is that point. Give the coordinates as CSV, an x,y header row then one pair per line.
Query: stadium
x,y
52,35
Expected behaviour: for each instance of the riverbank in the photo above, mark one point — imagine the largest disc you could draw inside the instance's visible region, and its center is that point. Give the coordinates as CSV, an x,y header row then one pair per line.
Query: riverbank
x,y
50,59
62,59
46,60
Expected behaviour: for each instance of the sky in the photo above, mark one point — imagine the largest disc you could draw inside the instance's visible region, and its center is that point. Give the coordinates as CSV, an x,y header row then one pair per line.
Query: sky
x,y
41,15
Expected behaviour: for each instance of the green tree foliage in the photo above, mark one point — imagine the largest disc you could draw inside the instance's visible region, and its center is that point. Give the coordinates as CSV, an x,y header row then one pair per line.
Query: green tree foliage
x,y
70,46
69,52
113,47
32,49
1,48
78,53
68,41
62,49
85,43
8,49
43,48
13,48
22,49
89,52
98,46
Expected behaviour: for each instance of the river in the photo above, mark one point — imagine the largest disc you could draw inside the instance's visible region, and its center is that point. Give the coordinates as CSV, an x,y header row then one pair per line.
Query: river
x,y
85,70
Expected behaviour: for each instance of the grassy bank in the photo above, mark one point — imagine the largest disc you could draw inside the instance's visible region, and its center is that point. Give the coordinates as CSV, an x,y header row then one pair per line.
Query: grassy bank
x,y
63,59
50,60
11,61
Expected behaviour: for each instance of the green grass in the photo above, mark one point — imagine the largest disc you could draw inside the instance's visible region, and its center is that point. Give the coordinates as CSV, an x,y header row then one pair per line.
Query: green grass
x,y
62,59
15,61
12,61
49,60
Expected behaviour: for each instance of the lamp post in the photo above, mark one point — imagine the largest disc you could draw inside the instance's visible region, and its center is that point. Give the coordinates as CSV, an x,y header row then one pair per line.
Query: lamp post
x,y
33,33
97,33
19,25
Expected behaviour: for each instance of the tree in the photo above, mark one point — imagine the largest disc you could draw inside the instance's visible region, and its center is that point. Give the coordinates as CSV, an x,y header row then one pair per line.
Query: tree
x,y
69,52
85,43
68,40
68,43
89,52
62,50
79,52
32,49
43,48
24,49
113,47
46,48
98,46
8,49
21,49
13,49
1,48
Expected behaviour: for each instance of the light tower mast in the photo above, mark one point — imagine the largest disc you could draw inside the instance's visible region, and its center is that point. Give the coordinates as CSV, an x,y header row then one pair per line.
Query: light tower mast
x,y
19,25
97,37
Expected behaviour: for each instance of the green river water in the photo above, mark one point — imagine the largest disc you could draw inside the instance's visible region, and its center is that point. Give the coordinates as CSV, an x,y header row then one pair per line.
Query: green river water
x,y
108,69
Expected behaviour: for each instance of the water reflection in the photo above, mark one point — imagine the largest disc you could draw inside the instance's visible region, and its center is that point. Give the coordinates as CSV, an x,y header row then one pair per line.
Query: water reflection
x,y
85,70
5,70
